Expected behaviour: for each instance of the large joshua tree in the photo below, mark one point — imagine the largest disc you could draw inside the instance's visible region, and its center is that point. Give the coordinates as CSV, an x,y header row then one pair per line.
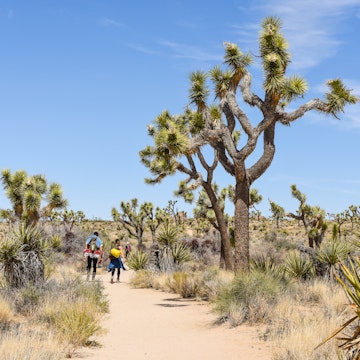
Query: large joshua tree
x,y
220,125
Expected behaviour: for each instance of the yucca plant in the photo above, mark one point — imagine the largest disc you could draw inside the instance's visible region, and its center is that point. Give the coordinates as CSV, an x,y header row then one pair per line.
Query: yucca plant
x,y
181,253
332,254
21,255
167,238
351,284
137,260
298,266
263,263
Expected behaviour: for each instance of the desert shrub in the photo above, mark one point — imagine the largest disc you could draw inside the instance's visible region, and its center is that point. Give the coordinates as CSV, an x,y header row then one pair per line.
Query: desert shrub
x,y
29,298
184,284
203,285
75,323
137,260
56,241
212,281
193,244
270,236
73,311
279,239
249,298
202,250
143,279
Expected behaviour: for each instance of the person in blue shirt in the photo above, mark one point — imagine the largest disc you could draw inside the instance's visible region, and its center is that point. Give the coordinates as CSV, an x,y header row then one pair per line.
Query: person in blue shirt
x,y
93,252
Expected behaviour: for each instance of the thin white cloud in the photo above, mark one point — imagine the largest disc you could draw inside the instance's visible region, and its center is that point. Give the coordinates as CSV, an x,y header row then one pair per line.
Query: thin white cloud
x,y
190,52
106,22
311,27
140,48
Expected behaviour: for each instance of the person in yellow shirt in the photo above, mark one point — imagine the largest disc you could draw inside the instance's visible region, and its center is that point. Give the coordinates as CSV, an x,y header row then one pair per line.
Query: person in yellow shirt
x,y
116,261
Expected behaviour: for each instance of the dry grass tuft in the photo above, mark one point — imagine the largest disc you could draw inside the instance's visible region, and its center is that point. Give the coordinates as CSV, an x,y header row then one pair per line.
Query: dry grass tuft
x,y
30,345
6,313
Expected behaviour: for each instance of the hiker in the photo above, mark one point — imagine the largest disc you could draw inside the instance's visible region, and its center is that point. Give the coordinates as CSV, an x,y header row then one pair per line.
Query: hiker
x,y
94,253
115,256
127,249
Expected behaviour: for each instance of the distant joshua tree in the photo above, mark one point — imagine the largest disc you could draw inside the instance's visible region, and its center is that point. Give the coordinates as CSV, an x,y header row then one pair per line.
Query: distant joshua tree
x,y
27,193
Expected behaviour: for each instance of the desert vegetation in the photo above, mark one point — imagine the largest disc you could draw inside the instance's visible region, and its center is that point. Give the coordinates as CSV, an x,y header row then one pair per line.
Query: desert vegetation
x,y
295,306
294,275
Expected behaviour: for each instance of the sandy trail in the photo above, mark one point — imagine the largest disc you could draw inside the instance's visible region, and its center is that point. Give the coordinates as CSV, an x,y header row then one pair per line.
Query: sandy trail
x,y
153,325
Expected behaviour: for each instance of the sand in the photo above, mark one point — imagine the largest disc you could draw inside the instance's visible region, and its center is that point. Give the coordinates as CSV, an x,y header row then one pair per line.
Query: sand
x,y
153,325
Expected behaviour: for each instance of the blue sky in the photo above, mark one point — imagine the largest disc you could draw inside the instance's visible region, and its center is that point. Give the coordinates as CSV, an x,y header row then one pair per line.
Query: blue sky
x,y
80,80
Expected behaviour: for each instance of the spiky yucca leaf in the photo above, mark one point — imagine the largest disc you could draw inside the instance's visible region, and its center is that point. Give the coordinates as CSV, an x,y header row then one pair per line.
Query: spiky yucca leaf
x,y
351,285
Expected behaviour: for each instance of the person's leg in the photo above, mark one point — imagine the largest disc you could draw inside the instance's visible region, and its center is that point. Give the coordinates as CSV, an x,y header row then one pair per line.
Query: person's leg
x,y
118,275
95,260
112,275
88,267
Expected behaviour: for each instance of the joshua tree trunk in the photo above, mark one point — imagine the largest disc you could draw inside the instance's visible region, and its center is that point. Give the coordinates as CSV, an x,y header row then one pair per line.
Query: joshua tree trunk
x,y
242,236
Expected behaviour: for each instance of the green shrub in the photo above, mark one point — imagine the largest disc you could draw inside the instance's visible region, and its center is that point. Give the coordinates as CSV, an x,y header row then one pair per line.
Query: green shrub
x,y
75,323
249,297
142,279
183,284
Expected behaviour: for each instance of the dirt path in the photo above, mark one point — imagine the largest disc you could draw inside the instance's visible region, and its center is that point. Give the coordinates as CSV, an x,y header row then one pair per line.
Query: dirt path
x,y
153,325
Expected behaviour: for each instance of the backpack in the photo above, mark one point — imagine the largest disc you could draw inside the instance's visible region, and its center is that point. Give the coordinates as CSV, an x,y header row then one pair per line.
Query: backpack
x,y
92,244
